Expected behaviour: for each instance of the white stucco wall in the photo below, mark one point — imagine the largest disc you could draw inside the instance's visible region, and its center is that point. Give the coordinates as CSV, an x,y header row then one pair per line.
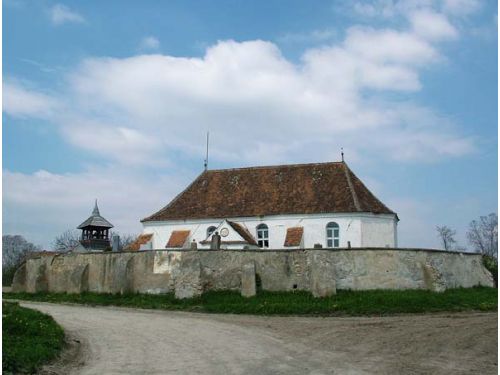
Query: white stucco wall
x,y
379,231
360,229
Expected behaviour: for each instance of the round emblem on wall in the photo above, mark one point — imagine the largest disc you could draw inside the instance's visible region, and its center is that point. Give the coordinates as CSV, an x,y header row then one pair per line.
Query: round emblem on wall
x,y
224,232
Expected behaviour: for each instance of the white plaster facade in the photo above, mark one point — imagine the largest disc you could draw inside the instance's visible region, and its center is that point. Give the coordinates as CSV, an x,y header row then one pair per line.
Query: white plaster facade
x,y
355,230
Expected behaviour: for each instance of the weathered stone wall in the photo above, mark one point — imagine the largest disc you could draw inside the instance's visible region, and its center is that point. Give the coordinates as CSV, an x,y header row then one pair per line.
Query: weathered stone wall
x,y
190,272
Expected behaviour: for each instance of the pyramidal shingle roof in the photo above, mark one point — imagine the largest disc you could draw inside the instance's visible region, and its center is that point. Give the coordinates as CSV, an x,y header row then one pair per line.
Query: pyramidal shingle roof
x,y
95,220
273,190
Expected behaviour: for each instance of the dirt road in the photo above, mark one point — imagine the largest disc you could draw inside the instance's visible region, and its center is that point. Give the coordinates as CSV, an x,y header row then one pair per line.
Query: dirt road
x,y
130,341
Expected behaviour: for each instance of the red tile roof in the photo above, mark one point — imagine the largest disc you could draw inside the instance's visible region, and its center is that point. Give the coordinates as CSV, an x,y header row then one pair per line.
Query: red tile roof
x,y
140,240
178,238
294,236
275,190
243,232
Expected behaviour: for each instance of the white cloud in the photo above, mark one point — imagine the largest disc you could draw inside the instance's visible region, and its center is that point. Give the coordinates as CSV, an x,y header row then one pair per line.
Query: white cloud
x,y
126,145
45,204
249,91
23,102
390,9
60,14
433,26
149,43
261,108
389,46
417,228
142,109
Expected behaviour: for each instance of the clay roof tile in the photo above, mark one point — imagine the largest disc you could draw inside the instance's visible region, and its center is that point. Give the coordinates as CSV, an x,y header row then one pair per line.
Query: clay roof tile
x,y
178,238
293,236
140,240
274,190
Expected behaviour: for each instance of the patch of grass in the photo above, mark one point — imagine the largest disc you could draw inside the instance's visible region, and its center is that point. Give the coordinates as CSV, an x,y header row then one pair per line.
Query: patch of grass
x,y
372,302
30,339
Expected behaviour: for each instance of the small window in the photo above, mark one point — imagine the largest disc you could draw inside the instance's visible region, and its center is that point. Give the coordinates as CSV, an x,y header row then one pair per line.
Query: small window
x,y
210,230
263,235
332,235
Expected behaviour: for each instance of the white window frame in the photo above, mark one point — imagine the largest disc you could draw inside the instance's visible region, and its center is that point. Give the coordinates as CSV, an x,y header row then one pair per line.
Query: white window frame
x,y
263,236
332,235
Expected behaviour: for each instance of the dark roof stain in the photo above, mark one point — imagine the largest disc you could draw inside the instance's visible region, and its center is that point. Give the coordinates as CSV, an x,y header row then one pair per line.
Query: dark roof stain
x,y
273,190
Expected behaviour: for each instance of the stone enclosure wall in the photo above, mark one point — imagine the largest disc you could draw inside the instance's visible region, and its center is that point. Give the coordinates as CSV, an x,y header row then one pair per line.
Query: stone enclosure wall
x,y
189,273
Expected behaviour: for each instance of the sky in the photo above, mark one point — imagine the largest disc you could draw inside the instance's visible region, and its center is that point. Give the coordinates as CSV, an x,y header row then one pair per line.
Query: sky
x,y
112,101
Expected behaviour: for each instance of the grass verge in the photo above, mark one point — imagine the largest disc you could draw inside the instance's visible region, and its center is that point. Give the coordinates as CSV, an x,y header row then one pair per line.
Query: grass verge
x,y
30,339
373,302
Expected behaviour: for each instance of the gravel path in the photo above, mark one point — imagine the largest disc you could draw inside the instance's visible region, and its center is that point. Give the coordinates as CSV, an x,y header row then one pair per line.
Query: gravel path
x,y
131,341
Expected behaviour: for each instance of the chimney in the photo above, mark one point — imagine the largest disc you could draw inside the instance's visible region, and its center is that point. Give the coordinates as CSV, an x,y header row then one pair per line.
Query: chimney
x,y
116,242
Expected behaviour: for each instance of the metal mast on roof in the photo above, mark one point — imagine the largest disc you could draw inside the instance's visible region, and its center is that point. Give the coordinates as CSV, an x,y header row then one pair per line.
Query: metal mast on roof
x,y
206,158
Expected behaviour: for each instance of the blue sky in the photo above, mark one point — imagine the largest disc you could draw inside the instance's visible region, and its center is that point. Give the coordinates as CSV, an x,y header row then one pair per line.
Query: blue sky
x,y
112,100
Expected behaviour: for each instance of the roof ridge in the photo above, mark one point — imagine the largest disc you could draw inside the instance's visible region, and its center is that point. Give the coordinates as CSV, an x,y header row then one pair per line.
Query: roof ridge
x,y
371,193
351,187
274,166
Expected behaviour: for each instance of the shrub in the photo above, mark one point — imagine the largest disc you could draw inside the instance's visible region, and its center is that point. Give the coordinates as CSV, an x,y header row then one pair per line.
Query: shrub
x,y
8,275
491,264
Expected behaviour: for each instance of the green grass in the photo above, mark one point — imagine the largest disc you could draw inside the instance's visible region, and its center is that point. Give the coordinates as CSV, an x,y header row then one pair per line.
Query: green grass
x,y
374,302
29,339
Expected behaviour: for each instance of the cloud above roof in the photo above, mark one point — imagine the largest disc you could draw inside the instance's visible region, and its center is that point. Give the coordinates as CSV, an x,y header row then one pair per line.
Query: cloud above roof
x,y
354,88
148,107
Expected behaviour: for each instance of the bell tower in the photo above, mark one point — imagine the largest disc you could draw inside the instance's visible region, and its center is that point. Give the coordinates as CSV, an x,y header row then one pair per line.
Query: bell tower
x,y
95,231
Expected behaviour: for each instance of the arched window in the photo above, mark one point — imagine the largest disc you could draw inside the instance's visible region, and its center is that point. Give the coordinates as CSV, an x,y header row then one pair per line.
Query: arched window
x,y
332,235
263,235
210,230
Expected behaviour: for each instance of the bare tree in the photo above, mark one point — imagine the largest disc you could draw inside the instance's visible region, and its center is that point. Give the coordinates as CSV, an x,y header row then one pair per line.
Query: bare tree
x,y
15,249
125,239
66,241
447,236
483,235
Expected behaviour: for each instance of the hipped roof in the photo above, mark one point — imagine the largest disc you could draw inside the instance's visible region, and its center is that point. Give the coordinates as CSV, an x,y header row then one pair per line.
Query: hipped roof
x,y
95,220
273,190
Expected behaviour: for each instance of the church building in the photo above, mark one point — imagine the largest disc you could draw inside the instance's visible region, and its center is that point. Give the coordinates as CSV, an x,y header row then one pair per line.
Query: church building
x,y
273,207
